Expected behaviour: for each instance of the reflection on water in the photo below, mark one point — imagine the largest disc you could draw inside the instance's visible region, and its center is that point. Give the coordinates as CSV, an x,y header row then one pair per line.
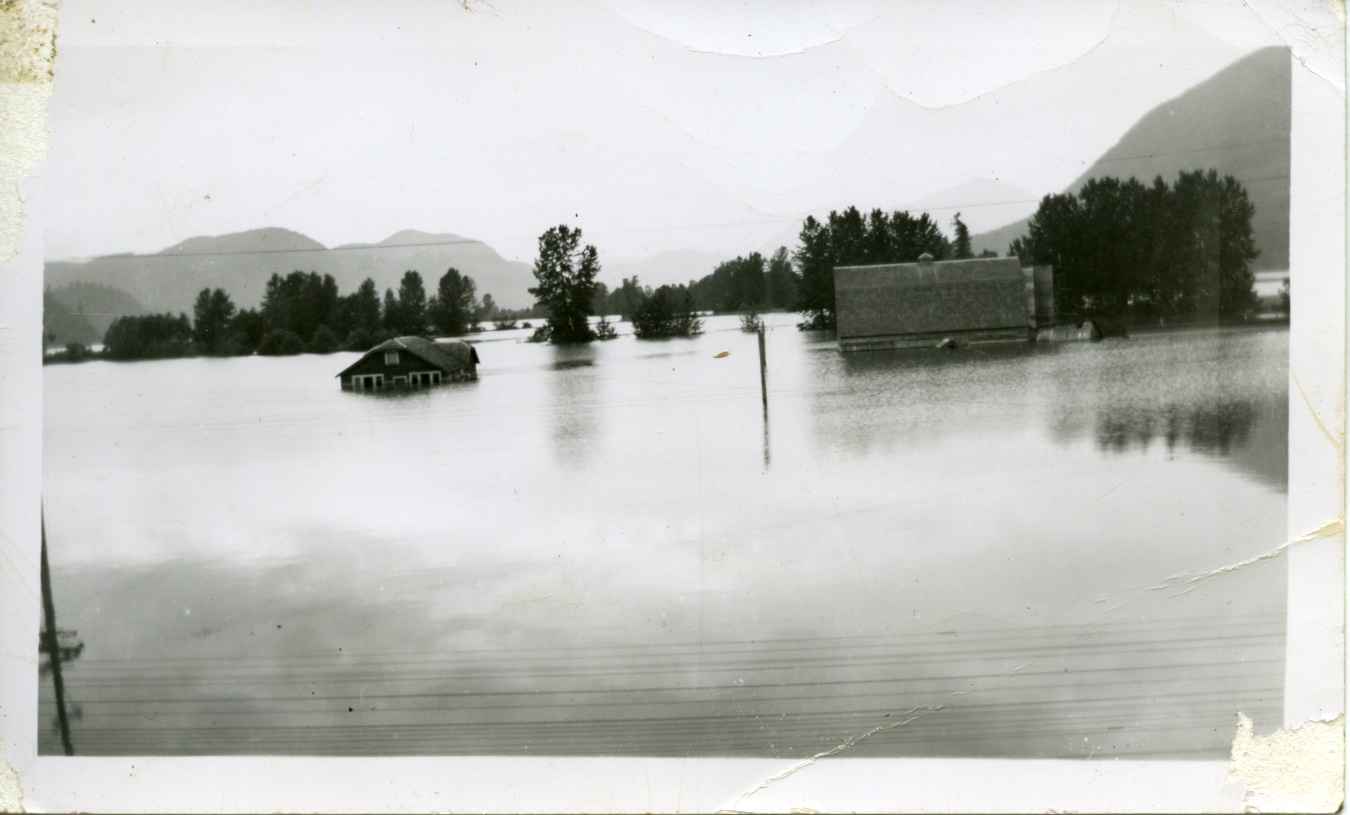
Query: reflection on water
x,y
587,552
326,676
1215,428
573,396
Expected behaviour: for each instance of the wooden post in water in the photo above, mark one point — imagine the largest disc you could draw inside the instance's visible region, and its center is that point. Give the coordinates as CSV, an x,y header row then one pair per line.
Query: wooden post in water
x,y
764,393
51,645
763,382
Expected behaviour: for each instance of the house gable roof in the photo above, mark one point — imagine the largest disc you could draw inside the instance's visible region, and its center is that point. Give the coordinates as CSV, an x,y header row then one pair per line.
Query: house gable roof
x,y
448,355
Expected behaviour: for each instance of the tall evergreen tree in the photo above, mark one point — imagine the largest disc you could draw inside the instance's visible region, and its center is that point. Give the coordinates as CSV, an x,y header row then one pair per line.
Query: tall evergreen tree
x,y
914,236
849,240
815,259
455,306
566,276
300,302
211,315
410,309
961,242
487,310
362,309
393,316
780,281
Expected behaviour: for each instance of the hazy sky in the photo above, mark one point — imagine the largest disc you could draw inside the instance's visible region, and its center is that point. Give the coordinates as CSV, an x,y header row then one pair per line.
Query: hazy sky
x,y
711,126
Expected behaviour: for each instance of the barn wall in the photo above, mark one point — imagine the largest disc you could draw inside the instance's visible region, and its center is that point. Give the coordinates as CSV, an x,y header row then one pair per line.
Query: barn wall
x,y
374,364
936,298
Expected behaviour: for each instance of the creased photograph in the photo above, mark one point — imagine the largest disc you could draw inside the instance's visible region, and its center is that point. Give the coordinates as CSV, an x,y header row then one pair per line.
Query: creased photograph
x,y
611,406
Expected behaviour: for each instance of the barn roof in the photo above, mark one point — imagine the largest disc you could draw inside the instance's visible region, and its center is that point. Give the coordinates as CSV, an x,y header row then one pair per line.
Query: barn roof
x,y
447,355
942,272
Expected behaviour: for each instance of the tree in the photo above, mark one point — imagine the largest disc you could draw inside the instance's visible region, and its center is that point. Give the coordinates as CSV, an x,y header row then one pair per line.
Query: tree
x,y
566,287
849,239
914,236
361,309
279,342
300,302
412,306
1158,252
815,259
748,284
246,331
961,243
780,282
625,299
324,341
455,306
212,314
488,309
152,336
393,315
600,300
733,286
668,312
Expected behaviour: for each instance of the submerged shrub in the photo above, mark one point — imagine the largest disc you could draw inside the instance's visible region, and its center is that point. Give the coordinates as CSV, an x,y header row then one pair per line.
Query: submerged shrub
x,y
359,340
667,312
324,341
279,342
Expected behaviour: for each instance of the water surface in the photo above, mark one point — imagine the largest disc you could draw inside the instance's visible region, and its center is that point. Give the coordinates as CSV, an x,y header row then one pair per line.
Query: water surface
x,y
607,550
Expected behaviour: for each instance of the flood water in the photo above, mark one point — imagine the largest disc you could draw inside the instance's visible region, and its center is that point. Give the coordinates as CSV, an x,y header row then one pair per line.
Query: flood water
x,y
607,550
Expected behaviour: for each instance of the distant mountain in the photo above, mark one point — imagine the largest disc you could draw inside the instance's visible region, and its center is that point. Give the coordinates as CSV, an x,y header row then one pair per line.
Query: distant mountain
x,y
100,305
1236,122
241,263
667,266
270,239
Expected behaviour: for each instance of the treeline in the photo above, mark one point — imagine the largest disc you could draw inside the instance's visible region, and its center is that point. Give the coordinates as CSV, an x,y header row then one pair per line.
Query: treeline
x,y
750,283
303,313
1140,253
1158,252
1148,253
569,293
850,238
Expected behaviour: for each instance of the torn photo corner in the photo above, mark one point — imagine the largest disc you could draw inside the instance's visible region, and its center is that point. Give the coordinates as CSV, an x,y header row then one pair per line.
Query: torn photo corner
x,y
594,407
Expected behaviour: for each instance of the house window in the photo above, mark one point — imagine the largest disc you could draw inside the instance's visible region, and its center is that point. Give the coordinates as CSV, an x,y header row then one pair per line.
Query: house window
x,y
390,357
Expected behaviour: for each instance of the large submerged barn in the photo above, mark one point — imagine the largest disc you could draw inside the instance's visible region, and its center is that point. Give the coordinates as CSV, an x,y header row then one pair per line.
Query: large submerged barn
x,y
914,305
411,362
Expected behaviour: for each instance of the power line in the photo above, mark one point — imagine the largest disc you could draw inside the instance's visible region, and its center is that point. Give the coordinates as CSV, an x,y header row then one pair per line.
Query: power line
x,y
775,221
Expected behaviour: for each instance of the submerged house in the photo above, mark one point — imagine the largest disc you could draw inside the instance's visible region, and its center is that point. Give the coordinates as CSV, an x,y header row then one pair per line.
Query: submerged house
x,y
917,305
411,362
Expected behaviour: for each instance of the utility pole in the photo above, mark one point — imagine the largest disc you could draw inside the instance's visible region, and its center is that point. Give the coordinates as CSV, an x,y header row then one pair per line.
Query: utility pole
x,y
763,380
764,393
52,646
